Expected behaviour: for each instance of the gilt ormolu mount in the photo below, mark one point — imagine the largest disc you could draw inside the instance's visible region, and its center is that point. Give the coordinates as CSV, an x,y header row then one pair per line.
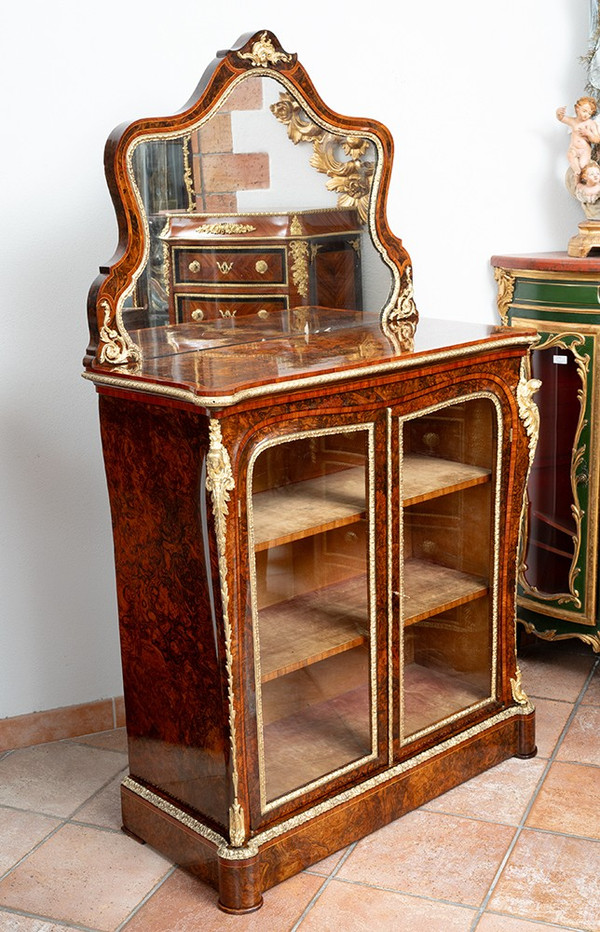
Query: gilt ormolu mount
x,y
315,504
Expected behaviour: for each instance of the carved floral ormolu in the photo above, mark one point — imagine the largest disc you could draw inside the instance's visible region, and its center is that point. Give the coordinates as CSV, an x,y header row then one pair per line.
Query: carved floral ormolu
x,y
226,229
352,179
220,482
116,347
519,694
506,290
528,410
399,323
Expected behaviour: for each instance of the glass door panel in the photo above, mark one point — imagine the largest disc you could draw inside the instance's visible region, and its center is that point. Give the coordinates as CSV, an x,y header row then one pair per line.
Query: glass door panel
x,y
551,527
448,465
311,508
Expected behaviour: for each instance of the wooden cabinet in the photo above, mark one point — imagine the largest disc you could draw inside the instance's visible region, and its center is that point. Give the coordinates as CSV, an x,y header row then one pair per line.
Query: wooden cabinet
x,y
315,521
558,578
316,606
257,264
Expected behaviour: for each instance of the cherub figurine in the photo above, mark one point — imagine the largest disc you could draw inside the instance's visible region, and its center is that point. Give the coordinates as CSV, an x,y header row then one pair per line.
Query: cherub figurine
x,y
587,189
584,132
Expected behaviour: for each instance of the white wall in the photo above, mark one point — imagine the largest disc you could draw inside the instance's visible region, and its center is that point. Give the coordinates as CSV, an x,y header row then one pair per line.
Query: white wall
x,y
469,90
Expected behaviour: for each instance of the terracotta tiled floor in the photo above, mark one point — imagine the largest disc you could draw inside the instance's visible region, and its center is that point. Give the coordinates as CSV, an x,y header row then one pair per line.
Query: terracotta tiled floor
x,y
514,850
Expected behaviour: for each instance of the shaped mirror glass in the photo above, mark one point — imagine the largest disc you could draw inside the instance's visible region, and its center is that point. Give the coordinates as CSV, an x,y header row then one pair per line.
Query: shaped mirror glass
x,y
260,197
257,207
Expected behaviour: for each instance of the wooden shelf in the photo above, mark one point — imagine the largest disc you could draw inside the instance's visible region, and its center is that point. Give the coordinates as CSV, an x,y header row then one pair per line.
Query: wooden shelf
x,y
432,694
551,522
291,512
316,721
426,477
313,626
555,550
301,509
430,589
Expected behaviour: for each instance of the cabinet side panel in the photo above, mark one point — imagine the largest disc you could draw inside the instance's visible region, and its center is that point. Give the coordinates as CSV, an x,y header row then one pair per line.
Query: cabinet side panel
x,y
155,465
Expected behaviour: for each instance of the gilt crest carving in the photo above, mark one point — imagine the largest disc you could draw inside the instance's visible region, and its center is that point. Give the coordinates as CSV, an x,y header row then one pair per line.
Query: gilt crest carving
x,y
264,53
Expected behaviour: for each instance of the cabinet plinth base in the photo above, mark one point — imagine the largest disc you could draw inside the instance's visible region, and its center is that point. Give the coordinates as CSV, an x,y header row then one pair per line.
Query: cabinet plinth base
x,y
242,875
527,747
239,912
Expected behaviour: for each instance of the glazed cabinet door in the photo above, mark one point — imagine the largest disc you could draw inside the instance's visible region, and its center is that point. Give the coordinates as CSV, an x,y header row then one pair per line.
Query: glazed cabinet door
x,y
445,584
313,589
557,575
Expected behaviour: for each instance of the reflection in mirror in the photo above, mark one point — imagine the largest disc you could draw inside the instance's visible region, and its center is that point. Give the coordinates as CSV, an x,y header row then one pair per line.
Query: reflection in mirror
x,y
255,212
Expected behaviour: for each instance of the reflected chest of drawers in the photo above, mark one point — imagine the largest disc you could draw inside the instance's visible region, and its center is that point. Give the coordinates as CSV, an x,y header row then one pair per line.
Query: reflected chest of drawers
x,y
255,264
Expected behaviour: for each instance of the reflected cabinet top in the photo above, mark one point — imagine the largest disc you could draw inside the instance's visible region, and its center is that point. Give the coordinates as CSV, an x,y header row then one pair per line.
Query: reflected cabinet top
x,y
253,241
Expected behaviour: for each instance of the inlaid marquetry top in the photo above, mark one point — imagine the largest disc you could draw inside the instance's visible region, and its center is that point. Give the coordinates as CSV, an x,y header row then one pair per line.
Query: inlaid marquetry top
x,y
226,361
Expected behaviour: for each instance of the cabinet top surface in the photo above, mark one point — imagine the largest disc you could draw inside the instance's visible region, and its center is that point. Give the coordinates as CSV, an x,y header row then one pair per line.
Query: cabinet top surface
x,y
549,262
221,362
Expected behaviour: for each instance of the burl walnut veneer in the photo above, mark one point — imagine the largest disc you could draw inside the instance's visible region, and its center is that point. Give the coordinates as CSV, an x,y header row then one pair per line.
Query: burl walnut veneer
x,y
315,509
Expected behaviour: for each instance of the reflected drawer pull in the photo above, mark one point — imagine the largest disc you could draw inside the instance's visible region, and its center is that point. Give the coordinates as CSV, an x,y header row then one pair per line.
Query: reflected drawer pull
x,y
194,266
225,267
198,314
262,314
431,440
261,267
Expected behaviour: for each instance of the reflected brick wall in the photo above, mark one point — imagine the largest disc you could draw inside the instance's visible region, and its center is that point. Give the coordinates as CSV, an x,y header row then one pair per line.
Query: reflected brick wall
x,y
219,172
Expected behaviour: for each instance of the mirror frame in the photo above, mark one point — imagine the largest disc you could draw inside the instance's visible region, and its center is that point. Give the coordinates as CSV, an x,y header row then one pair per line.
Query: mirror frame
x,y
110,343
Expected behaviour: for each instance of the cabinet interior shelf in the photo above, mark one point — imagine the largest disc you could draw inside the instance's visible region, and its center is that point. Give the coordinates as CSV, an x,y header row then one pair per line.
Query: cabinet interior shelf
x,y
319,624
301,509
427,477
550,549
553,523
313,626
430,589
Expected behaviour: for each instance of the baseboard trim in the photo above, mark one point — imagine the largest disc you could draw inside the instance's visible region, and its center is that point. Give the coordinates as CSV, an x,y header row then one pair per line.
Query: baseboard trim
x,y
22,731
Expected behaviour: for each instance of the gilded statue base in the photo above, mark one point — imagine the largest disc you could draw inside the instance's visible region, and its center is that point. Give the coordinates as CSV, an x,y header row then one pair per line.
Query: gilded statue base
x,y
587,239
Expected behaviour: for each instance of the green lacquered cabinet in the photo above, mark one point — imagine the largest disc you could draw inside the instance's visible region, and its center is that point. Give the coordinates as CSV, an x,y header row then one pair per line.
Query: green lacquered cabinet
x,y
558,566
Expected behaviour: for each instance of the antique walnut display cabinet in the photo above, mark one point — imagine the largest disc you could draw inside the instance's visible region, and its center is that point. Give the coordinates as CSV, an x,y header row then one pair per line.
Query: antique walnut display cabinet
x,y
315,504
559,295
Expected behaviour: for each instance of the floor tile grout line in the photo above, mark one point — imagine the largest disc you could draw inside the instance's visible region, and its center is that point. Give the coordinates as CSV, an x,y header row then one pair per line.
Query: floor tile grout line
x,y
534,795
91,747
43,918
96,793
323,887
541,922
414,896
63,821
147,897
31,851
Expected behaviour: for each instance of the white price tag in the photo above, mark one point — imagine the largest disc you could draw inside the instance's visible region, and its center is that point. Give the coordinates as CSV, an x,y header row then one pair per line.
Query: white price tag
x,y
560,360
